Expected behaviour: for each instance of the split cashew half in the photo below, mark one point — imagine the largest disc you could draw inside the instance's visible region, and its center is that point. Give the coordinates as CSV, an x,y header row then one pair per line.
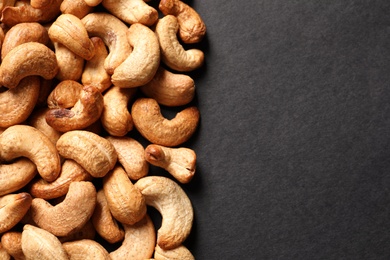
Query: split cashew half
x,y
174,206
113,33
191,26
173,53
157,129
27,59
179,162
86,249
93,152
69,215
26,141
13,207
143,62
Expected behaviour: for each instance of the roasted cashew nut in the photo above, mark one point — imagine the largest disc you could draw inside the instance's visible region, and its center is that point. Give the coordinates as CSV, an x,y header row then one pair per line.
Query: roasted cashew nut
x,y
70,65
13,207
170,89
178,253
174,206
113,33
126,203
132,11
93,152
116,118
143,62
179,162
12,243
173,53
191,26
17,104
78,8
139,242
38,243
22,140
157,129
16,175
27,59
86,249
69,215
70,31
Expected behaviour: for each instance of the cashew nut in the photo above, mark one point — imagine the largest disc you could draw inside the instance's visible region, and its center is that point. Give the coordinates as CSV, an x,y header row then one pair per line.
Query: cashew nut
x,y
179,162
38,243
26,59
71,32
191,26
78,8
93,2
178,253
38,120
94,72
17,104
70,65
24,140
24,12
86,232
40,3
13,207
174,206
70,172
16,175
85,112
157,129
126,203
170,89
22,33
173,53
132,11
131,155
65,94
85,249
116,118
113,33
105,225
93,152
141,65
12,243
69,215
139,242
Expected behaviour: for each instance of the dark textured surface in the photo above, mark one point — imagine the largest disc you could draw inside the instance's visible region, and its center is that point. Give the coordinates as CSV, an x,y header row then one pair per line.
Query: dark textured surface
x,y
293,148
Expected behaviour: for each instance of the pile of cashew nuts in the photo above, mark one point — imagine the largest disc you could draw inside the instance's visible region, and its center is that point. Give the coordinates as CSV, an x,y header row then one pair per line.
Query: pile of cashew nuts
x,y
77,78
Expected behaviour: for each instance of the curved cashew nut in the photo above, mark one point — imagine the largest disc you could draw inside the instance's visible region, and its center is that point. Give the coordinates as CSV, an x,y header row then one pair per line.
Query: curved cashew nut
x,y
13,207
93,152
85,112
70,172
178,253
16,175
133,11
143,62
27,59
22,140
38,120
131,155
116,118
78,8
86,232
170,89
12,243
17,104
179,162
139,242
12,15
174,206
49,245
22,33
69,215
157,129
86,249
70,65
191,26
126,203
65,94
113,33
70,31
105,225
173,53
94,72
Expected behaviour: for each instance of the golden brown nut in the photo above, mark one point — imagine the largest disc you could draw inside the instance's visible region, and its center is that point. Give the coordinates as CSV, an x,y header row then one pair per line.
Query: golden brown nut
x,y
13,207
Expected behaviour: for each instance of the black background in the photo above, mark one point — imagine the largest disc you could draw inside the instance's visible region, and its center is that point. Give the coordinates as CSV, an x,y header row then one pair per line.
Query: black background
x,y
293,147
